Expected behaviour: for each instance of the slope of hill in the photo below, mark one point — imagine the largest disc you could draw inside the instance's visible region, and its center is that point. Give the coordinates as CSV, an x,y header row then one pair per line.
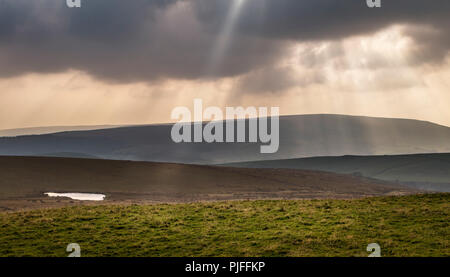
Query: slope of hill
x,y
424,171
300,136
49,130
30,177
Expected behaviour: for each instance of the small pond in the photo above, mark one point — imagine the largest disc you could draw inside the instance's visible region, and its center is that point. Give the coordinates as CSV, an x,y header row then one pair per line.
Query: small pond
x,y
78,196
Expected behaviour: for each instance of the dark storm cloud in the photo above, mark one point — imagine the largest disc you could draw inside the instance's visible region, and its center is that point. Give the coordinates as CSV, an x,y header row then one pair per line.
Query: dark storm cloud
x,y
136,40
323,19
143,40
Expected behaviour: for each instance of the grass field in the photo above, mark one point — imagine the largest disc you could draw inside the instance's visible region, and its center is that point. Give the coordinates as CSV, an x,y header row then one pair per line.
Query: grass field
x,y
415,225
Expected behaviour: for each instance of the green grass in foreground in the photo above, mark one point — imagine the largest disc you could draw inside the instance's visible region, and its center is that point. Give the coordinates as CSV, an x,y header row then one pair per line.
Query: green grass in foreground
x,y
403,226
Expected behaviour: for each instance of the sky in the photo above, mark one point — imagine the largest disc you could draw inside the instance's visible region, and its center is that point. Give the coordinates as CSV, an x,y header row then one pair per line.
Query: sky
x,y
132,62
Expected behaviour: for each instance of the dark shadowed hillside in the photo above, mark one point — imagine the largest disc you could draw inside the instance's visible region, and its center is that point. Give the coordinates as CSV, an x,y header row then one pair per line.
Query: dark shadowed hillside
x,y
425,171
25,179
300,136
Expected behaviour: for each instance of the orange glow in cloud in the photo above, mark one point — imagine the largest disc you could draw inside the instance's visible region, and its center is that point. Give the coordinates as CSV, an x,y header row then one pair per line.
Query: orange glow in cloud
x,y
368,75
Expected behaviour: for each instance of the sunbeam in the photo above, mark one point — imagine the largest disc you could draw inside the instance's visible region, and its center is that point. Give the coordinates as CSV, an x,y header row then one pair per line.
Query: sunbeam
x,y
225,37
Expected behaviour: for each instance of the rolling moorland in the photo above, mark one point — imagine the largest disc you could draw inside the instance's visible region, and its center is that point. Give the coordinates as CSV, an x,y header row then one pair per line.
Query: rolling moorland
x,y
300,136
421,171
310,142
166,199
161,210
415,225
25,180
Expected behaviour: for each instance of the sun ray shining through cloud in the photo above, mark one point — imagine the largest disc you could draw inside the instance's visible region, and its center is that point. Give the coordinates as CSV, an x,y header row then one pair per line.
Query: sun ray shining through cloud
x,y
225,37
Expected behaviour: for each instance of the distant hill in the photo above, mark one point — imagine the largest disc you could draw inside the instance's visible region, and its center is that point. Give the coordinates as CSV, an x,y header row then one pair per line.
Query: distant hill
x,y
49,130
69,154
300,136
424,171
